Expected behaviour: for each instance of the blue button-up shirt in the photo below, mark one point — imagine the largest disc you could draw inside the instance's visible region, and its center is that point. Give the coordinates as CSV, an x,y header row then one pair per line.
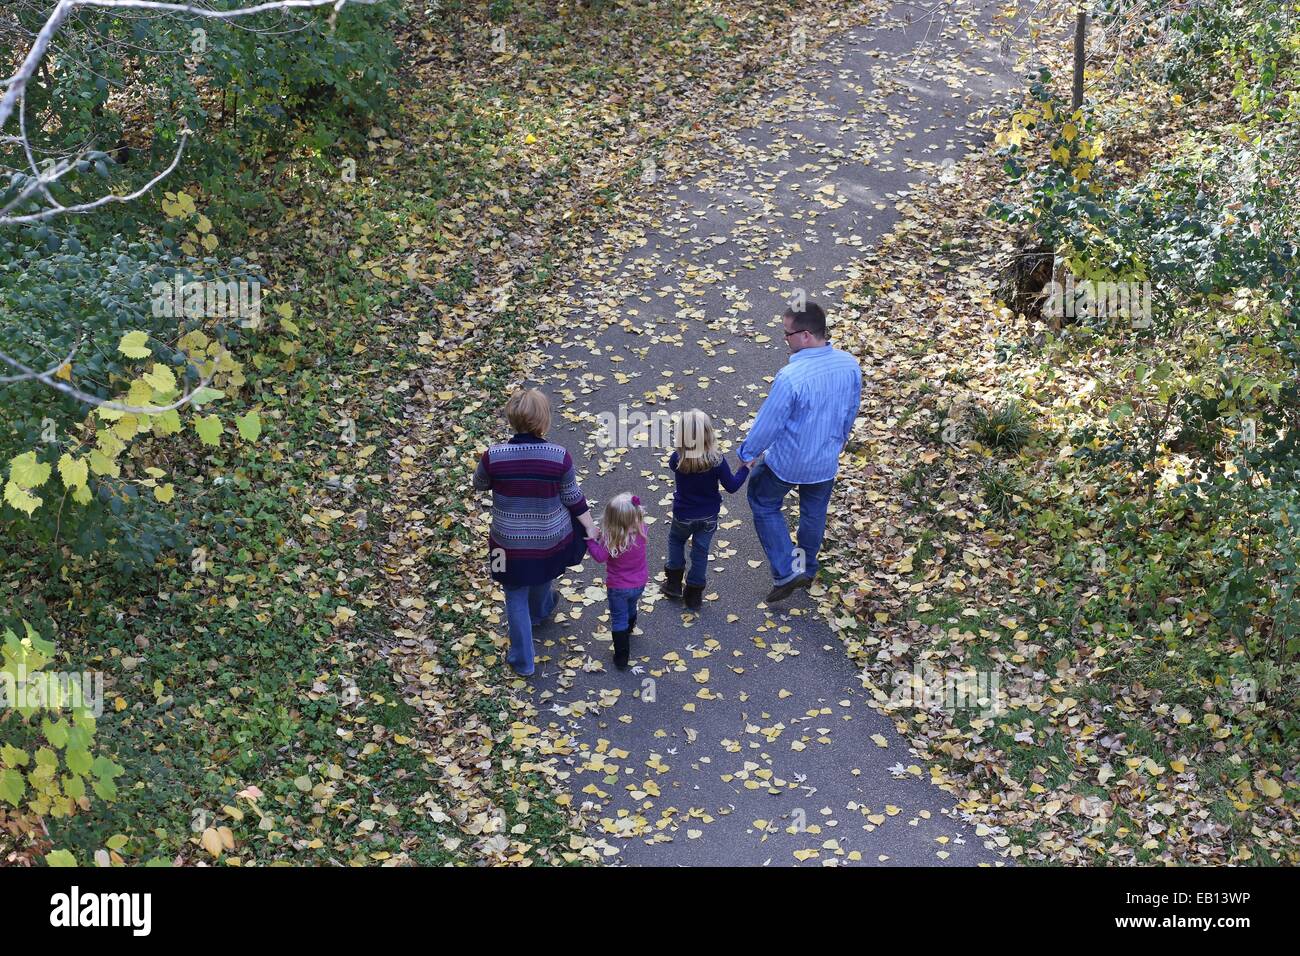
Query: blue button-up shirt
x,y
806,418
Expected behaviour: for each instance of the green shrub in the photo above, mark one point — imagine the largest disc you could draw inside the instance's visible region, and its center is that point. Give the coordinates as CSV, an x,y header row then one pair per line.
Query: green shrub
x,y
1002,491
1005,427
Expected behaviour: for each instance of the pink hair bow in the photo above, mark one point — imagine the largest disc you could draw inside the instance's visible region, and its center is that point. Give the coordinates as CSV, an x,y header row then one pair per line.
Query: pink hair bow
x,y
636,501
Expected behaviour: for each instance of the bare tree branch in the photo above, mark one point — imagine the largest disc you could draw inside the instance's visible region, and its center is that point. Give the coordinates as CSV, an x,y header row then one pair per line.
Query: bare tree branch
x,y
26,373
28,376
15,88
14,100
18,82
59,210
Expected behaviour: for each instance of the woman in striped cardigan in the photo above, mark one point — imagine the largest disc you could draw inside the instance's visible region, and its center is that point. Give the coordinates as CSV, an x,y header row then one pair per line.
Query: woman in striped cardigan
x,y
536,504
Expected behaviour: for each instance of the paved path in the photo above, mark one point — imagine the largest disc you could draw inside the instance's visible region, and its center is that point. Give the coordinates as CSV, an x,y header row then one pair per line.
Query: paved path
x,y
744,737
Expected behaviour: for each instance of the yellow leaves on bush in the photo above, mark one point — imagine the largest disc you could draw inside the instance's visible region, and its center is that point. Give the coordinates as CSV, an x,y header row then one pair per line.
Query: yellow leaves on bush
x,y
25,473
193,342
134,345
1072,152
178,205
50,781
160,379
249,425
1020,124
103,465
23,500
75,472
114,429
140,393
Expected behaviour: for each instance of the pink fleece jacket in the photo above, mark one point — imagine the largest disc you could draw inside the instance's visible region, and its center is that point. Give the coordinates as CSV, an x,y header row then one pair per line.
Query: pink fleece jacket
x,y
628,570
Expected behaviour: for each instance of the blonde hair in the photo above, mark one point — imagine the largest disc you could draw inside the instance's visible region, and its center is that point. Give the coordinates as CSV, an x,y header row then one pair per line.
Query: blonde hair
x,y
697,446
620,523
529,411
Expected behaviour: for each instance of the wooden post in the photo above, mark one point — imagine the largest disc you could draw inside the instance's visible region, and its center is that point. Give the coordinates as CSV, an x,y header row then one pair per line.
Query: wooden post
x,y
1080,36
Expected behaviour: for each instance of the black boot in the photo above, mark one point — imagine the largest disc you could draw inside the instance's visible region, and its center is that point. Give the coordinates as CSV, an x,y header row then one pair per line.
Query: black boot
x,y
621,648
694,596
673,586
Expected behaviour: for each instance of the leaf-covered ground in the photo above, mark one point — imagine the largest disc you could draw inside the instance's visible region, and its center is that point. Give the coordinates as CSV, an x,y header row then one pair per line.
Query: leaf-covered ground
x,y
330,688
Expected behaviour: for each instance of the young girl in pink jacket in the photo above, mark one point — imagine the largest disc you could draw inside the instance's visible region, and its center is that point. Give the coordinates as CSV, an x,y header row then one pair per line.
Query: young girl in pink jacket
x,y
621,547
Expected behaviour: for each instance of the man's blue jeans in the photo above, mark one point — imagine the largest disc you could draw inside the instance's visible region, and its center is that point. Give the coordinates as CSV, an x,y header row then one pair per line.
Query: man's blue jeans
x,y
700,532
527,606
766,496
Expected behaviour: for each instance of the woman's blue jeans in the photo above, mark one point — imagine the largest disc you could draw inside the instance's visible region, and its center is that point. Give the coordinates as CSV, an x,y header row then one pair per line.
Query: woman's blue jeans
x,y
699,532
527,606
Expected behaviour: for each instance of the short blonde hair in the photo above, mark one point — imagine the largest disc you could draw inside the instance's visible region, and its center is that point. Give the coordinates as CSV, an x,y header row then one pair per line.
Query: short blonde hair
x,y
697,447
529,411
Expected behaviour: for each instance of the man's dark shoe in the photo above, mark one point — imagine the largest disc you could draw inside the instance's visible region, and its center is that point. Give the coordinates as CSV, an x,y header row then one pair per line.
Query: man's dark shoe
x,y
694,596
783,591
806,581
622,647
673,584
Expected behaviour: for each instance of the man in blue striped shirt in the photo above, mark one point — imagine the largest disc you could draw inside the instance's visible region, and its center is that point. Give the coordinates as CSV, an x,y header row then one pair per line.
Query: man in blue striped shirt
x,y
803,426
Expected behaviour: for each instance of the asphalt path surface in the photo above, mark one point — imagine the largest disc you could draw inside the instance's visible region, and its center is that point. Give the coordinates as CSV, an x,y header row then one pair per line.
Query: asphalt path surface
x,y
743,736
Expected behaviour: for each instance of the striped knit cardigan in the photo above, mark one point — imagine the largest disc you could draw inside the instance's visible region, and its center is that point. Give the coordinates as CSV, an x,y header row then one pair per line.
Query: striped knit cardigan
x,y
535,501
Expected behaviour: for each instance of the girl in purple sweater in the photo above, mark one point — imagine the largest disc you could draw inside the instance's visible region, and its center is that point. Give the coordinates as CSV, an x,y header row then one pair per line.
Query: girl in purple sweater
x,y
621,546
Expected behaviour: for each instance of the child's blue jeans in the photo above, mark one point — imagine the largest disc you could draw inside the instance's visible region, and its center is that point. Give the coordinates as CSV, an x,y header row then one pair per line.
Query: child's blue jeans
x,y
622,606
699,532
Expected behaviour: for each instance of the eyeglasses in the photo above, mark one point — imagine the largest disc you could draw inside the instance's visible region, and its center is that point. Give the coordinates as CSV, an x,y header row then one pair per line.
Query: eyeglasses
x,y
795,332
